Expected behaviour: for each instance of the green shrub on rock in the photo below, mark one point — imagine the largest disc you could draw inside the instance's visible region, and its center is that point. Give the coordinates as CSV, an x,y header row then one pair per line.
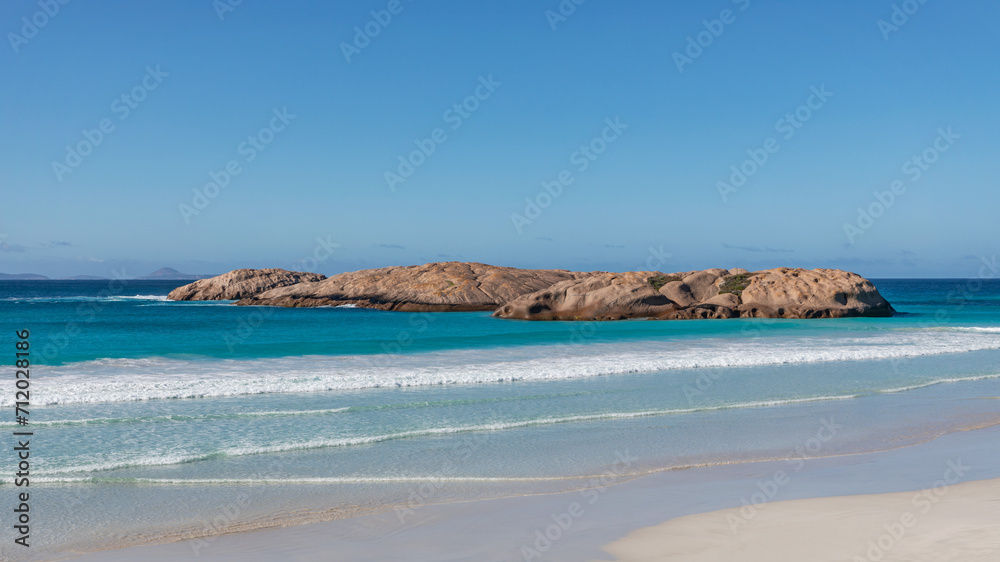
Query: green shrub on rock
x,y
658,281
734,284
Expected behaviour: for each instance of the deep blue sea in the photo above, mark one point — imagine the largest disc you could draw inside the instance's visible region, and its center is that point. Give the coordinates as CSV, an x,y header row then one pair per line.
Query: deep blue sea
x,y
159,420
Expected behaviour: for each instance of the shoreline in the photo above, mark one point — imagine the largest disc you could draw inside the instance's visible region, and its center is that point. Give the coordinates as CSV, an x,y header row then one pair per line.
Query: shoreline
x,y
483,529
951,521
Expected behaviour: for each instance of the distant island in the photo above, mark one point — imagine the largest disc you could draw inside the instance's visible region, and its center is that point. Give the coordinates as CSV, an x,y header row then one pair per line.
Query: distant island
x,y
166,274
171,274
556,294
22,277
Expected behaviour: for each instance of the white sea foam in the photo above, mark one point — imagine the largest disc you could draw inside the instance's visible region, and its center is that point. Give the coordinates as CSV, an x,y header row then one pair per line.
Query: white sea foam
x,y
939,381
298,480
82,298
125,380
172,458
179,417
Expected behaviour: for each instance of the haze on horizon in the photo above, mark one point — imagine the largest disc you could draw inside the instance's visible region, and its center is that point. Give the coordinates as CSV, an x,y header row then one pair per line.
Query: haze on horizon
x,y
207,136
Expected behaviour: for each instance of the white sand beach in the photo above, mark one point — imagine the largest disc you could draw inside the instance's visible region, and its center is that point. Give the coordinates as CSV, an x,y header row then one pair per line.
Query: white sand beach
x,y
959,522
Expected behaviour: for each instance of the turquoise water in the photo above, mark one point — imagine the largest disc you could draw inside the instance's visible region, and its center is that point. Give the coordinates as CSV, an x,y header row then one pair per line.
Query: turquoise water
x,y
159,419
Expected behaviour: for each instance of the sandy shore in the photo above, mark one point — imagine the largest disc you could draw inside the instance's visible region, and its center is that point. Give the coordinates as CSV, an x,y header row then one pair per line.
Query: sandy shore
x,y
862,493
951,521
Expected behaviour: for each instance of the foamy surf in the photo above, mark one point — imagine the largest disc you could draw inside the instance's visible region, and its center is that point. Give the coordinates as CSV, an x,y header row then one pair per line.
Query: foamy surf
x,y
179,417
936,382
297,480
130,380
174,458
77,298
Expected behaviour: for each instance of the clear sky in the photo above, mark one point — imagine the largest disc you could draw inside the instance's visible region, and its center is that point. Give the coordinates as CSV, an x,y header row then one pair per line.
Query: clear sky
x,y
643,109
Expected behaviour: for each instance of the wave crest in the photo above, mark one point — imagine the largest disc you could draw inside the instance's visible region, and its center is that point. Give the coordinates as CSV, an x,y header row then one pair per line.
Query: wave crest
x,y
127,380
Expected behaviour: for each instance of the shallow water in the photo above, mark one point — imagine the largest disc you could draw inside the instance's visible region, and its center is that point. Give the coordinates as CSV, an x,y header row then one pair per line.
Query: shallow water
x,y
158,419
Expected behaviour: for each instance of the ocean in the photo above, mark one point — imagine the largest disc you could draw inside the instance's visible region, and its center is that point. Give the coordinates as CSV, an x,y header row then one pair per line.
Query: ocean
x,y
156,420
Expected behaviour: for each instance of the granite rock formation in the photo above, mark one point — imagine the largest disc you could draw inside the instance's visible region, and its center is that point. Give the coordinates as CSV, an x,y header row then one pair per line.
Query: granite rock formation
x,y
433,287
240,283
556,294
713,293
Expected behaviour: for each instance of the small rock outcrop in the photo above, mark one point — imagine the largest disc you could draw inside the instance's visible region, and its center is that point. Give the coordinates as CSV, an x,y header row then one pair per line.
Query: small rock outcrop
x,y
713,293
433,287
240,283
811,293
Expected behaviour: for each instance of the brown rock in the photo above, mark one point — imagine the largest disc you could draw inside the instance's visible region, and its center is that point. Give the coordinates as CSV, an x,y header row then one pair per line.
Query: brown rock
x,y
727,300
776,293
700,311
598,296
812,293
704,284
240,283
547,294
450,286
695,287
679,293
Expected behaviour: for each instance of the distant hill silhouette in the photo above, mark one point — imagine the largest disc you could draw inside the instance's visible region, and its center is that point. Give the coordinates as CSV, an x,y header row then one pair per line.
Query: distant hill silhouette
x,y
169,273
23,276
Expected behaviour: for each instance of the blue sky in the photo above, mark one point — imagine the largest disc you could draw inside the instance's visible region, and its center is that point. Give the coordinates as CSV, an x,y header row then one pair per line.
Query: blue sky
x,y
200,89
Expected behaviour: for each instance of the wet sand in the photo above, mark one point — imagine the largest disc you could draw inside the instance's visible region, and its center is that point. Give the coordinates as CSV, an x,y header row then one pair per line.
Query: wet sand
x,y
577,525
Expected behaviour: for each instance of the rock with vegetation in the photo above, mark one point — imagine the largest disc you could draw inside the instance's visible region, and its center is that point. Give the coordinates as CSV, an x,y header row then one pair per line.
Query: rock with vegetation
x,y
713,293
556,294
